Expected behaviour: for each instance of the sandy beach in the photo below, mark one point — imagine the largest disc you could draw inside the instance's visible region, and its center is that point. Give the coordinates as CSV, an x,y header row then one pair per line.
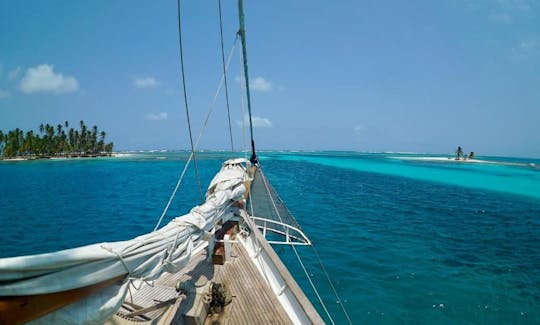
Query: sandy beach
x,y
462,161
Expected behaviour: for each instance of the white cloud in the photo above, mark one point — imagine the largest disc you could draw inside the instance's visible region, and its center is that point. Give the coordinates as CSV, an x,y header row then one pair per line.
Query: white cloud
x,y
42,79
4,94
157,117
258,122
148,82
260,84
14,74
358,129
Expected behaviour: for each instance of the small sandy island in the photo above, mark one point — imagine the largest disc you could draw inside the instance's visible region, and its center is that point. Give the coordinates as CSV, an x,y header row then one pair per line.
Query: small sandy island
x,y
448,159
464,161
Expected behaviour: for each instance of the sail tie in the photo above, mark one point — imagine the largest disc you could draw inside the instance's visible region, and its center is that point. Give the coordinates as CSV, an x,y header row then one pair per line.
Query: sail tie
x,y
112,251
129,277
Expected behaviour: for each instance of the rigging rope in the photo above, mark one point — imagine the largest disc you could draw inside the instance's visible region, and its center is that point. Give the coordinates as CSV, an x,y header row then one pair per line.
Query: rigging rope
x,y
225,74
300,260
173,194
242,107
296,253
191,156
186,99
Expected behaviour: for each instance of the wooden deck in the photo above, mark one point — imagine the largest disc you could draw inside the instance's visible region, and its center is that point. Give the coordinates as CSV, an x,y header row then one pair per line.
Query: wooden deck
x,y
252,302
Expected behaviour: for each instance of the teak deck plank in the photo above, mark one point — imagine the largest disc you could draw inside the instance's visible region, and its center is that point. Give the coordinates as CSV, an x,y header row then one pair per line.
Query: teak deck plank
x,y
253,301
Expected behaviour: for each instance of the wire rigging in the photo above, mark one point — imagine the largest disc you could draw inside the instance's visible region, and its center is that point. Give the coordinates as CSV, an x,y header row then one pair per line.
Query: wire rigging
x,y
186,99
296,253
242,107
210,111
253,159
242,33
201,132
225,73
265,182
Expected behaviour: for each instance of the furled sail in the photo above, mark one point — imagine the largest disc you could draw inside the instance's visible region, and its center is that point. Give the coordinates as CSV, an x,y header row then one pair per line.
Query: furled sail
x,y
143,258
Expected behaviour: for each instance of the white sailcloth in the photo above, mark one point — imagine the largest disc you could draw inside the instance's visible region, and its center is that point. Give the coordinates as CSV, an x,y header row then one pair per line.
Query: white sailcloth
x,y
143,258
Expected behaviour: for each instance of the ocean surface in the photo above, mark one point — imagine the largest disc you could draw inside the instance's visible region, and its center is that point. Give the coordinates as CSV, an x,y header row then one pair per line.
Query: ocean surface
x,y
405,240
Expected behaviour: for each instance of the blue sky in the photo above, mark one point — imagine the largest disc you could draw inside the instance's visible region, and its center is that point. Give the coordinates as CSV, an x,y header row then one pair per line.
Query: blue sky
x,y
418,76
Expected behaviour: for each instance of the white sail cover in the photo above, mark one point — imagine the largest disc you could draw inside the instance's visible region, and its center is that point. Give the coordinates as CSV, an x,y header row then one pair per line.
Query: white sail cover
x,y
143,258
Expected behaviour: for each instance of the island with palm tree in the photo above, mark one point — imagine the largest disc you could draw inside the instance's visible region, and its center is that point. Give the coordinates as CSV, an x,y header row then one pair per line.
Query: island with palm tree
x,y
54,142
461,156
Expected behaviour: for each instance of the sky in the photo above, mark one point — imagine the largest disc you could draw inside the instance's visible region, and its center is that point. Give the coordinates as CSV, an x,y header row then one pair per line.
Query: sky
x,y
405,76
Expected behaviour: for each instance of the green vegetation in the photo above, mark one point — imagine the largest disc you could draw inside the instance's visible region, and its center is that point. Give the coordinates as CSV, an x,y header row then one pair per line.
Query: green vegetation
x,y
55,142
459,153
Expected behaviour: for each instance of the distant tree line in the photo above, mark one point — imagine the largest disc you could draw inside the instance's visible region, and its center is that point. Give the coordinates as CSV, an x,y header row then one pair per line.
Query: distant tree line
x,y
59,141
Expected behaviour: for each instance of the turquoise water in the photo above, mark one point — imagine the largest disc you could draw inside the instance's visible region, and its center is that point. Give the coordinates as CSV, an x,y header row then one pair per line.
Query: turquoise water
x,y
405,241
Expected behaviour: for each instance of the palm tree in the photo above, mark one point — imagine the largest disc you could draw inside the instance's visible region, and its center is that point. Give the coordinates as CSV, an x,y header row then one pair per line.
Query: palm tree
x,y
93,138
64,143
109,147
49,130
459,153
9,147
67,143
83,140
54,140
38,145
18,138
59,140
14,143
77,141
88,145
71,136
28,143
1,143
101,143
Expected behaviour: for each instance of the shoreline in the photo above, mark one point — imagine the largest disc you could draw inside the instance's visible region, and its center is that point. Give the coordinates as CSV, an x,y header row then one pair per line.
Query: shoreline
x,y
448,159
469,161
82,156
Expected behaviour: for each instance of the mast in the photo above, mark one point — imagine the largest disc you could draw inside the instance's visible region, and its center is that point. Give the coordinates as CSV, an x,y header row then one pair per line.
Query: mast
x,y
242,34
